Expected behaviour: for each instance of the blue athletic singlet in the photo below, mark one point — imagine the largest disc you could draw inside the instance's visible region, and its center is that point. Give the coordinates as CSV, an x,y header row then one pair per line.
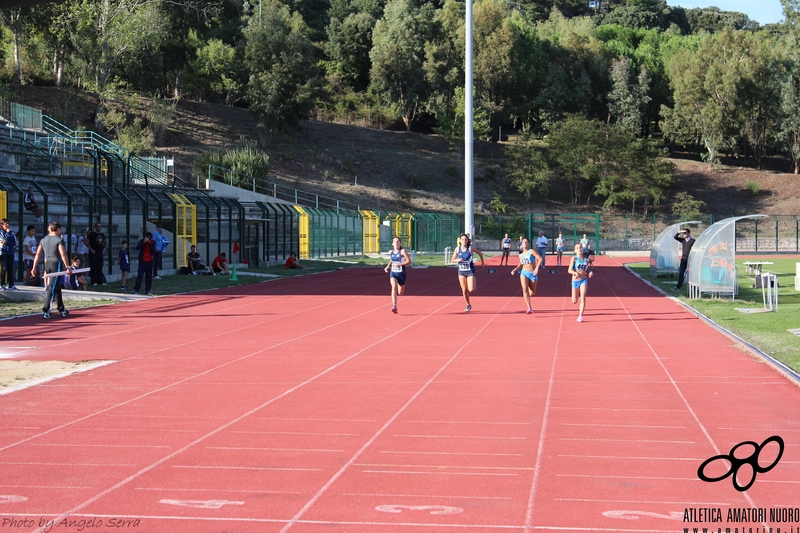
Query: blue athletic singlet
x,y
581,264
465,265
559,244
397,271
528,259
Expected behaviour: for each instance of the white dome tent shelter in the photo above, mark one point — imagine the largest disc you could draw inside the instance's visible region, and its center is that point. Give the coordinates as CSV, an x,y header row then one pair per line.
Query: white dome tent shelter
x,y
712,262
665,254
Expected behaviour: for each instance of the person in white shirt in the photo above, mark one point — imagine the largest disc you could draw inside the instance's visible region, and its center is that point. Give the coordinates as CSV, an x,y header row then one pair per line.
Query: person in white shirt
x,y
506,250
29,247
541,245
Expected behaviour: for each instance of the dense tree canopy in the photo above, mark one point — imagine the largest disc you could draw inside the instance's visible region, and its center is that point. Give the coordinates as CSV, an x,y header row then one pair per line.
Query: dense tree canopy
x,y
641,69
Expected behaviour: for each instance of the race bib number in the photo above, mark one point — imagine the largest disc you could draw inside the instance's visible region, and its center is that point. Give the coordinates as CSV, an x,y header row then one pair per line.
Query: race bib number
x,y
526,260
397,267
464,266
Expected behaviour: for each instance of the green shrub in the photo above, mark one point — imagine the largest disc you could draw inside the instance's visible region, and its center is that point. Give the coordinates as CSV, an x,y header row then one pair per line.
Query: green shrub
x,y
753,187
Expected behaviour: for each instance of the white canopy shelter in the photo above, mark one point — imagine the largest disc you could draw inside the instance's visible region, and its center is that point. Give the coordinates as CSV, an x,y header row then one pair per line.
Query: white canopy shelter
x,y
712,262
665,254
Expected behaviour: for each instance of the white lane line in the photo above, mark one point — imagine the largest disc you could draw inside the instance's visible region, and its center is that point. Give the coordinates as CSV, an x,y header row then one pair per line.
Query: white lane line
x,y
545,418
630,440
467,422
455,453
604,476
441,496
459,437
447,467
675,385
272,449
698,459
53,487
214,490
193,377
626,409
622,426
688,503
238,419
393,472
296,433
312,419
230,467
81,465
388,423
101,445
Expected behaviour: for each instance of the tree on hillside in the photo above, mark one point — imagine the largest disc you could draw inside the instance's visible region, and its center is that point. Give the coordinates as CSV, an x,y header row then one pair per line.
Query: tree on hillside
x,y
789,133
628,98
528,172
704,85
631,171
725,94
574,150
281,62
349,44
444,66
577,77
398,56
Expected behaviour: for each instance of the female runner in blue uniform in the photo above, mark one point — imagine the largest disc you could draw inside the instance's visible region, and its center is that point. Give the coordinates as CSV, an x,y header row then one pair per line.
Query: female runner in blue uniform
x,y
581,269
559,249
398,261
463,255
528,268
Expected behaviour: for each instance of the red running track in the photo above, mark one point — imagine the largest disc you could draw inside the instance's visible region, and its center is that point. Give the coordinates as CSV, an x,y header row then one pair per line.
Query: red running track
x,y
304,405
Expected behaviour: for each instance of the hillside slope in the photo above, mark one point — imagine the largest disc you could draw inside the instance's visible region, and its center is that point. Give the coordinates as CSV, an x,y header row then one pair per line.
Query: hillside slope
x,y
390,170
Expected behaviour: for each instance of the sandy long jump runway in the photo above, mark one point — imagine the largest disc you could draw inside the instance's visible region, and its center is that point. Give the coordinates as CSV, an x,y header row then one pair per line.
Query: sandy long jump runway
x,y
304,405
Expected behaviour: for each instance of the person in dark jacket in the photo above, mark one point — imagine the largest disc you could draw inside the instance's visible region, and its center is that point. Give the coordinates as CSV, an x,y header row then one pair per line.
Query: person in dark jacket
x,y
8,243
684,237
147,256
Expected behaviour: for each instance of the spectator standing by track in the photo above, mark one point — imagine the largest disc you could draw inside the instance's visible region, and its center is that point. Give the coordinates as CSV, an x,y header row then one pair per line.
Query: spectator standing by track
x,y
55,261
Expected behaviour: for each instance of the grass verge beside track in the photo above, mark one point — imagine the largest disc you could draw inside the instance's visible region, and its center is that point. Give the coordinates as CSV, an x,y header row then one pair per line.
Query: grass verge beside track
x,y
766,331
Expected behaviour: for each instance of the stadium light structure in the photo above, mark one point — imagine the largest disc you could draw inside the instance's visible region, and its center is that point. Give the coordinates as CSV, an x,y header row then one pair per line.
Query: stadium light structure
x,y
469,201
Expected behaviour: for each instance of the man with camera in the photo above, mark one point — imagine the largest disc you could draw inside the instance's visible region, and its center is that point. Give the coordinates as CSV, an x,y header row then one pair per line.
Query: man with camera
x,y
684,237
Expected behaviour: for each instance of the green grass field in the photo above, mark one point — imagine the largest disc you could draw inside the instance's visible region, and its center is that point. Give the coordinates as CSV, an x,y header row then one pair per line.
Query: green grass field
x,y
767,331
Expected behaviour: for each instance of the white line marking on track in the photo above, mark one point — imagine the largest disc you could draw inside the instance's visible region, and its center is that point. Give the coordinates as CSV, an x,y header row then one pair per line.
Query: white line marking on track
x,y
442,496
620,409
434,509
436,473
271,449
689,503
12,498
93,465
296,433
622,426
455,453
102,445
55,487
313,419
459,437
598,476
545,417
675,385
630,440
201,374
466,422
200,504
699,460
180,489
235,420
228,467
388,423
